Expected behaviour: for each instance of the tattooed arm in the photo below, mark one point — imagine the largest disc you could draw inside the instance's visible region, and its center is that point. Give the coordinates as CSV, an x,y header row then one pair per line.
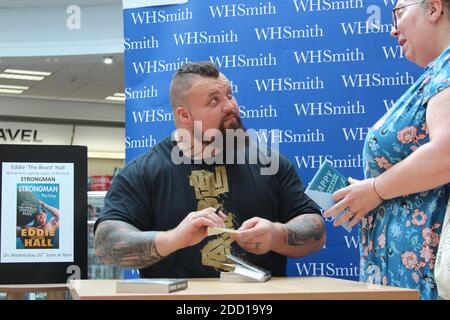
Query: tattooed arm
x,y
299,237
119,243
123,245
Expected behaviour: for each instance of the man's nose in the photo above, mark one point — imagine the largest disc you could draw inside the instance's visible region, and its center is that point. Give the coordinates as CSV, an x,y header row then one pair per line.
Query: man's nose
x,y
394,32
229,107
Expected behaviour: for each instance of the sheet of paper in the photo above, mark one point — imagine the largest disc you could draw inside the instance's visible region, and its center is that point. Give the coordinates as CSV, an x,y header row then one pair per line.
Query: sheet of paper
x,y
214,230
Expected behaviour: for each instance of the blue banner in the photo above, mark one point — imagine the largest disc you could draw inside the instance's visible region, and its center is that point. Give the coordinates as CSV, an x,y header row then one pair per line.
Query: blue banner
x,y
317,74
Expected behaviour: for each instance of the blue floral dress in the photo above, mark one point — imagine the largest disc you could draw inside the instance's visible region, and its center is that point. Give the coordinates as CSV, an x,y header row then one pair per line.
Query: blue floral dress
x,y
399,239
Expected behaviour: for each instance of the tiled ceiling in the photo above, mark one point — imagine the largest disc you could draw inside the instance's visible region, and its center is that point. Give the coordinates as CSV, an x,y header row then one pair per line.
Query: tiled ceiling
x,y
75,78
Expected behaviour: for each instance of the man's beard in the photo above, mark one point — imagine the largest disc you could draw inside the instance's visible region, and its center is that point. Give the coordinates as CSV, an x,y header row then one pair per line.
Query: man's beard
x,y
229,141
236,125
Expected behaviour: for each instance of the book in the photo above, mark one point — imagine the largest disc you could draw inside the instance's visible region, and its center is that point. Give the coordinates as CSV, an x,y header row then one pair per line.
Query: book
x,y
244,271
37,223
230,276
151,285
325,182
216,230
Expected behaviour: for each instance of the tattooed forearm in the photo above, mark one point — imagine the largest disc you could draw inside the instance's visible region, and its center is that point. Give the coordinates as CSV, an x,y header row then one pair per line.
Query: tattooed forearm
x,y
121,244
304,229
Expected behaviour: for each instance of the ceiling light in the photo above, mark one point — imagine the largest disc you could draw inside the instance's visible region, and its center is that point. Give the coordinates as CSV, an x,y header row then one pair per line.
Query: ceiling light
x,y
11,91
29,72
112,98
117,94
20,77
108,60
5,86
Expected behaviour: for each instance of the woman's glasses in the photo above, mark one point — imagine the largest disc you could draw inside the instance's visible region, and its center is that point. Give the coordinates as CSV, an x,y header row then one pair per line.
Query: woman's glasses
x,y
395,10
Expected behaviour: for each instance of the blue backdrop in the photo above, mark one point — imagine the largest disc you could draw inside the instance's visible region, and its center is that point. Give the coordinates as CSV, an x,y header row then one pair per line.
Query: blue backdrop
x,y
320,71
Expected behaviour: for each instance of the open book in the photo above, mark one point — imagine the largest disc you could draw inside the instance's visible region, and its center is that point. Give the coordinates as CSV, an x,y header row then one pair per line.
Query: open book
x,y
326,181
244,272
150,285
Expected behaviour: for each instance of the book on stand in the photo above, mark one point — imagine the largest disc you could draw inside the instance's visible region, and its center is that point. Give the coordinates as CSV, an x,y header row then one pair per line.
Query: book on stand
x,y
151,285
325,182
244,272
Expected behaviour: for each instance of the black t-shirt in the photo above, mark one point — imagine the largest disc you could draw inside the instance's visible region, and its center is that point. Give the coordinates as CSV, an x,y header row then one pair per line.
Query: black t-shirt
x,y
154,194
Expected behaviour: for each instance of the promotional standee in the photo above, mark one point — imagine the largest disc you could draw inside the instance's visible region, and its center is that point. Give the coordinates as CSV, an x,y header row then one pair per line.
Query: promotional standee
x,y
43,203
312,76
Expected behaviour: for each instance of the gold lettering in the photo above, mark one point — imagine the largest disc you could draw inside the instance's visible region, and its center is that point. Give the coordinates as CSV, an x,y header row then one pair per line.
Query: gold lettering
x,y
37,232
208,186
40,243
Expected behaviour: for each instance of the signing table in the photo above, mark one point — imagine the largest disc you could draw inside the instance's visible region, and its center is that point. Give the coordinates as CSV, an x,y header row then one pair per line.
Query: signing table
x,y
290,288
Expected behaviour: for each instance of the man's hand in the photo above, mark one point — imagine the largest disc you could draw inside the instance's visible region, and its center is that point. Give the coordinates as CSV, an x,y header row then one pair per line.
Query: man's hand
x,y
255,235
121,244
298,237
191,230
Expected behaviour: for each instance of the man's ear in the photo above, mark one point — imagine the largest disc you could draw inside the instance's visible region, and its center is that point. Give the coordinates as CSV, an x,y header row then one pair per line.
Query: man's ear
x,y
436,9
182,115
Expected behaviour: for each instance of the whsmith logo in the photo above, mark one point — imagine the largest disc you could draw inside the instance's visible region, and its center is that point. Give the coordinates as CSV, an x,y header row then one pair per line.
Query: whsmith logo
x,y
364,27
377,80
145,93
242,10
137,143
355,134
326,5
144,43
328,56
287,32
328,109
154,115
393,52
157,66
315,161
289,136
261,112
161,16
204,37
288,84
329,269
242,61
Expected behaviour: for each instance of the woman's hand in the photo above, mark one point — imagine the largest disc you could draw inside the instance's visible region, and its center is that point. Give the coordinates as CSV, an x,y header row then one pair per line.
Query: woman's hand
x,y
356,200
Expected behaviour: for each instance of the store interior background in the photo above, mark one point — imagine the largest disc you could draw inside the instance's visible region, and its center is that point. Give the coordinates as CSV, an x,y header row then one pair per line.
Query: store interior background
x,y
76,46
71,41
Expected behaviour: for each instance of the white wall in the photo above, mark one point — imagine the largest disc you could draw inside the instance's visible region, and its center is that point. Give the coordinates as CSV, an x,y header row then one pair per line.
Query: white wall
x,y
34,121
52,30
58,109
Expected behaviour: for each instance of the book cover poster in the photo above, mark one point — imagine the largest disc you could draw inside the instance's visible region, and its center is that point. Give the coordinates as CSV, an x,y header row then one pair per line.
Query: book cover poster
x,y
37,218
38,215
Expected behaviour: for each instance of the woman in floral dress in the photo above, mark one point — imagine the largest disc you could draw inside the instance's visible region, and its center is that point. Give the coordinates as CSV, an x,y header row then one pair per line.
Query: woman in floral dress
x,y
401,204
